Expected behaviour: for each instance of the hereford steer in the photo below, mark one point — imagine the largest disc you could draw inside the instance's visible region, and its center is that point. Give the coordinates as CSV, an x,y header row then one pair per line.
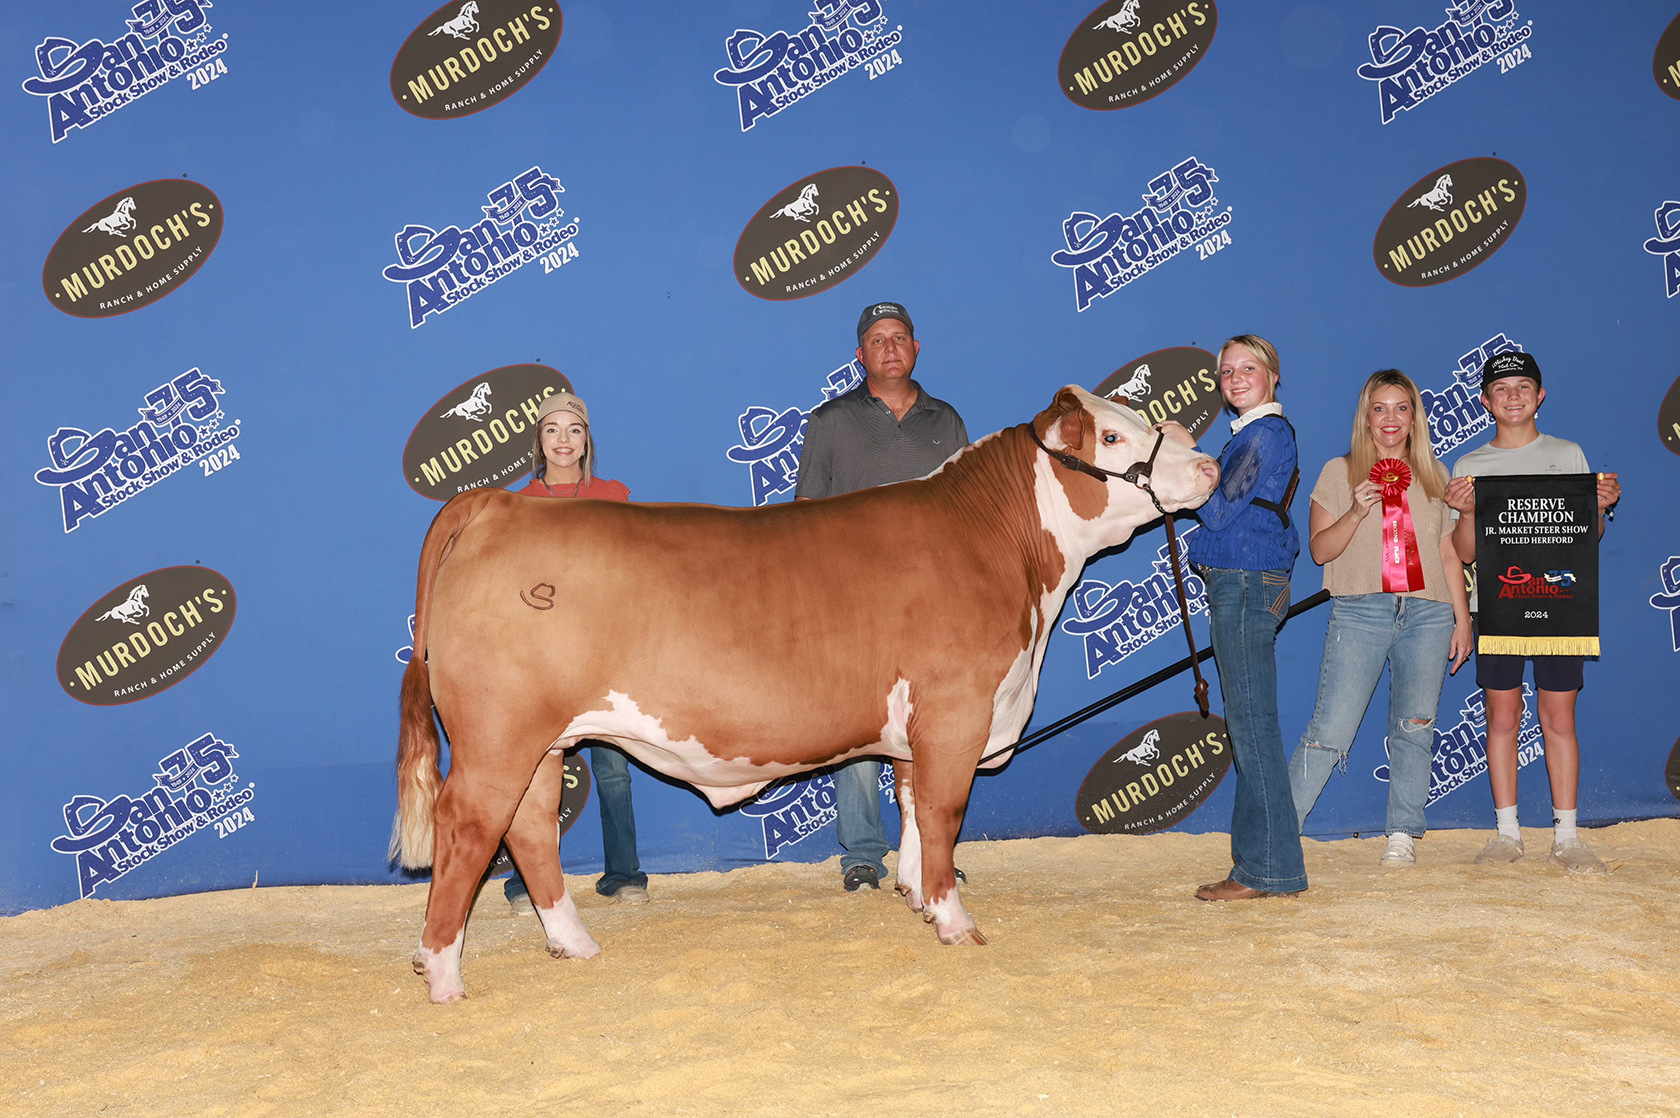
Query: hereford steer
x,y
906,622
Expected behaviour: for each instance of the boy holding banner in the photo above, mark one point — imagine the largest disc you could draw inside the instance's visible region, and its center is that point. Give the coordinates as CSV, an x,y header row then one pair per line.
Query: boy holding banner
x,y
1536,524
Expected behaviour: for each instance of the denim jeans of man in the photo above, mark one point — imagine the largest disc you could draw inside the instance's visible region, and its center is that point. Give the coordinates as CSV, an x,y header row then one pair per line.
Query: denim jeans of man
x,y
618,820
1245,609
857,799
1410,635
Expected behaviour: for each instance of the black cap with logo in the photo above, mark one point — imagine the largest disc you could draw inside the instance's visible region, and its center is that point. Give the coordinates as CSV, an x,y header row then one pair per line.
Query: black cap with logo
x,y
1502,365
876,311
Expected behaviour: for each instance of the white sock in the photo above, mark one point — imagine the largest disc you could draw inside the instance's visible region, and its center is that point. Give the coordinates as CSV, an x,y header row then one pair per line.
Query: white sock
x,y
1507,817
1563,824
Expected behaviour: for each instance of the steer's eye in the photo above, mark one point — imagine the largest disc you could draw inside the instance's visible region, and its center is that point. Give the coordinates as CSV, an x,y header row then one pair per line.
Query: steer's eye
x,y
1111,438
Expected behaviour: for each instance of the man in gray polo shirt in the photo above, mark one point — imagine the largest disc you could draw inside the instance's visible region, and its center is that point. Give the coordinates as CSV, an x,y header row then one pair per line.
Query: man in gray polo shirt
x,y
887,429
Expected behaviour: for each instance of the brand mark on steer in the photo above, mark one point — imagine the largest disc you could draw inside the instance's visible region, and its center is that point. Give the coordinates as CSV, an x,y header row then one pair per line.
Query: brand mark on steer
x,y
541,596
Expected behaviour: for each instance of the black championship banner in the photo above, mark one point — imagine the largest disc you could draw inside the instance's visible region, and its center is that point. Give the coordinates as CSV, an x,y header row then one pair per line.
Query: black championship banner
x,y
1537,564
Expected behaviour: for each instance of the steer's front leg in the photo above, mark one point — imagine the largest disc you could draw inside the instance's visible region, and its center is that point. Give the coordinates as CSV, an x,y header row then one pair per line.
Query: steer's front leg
x,y
909,877
943,777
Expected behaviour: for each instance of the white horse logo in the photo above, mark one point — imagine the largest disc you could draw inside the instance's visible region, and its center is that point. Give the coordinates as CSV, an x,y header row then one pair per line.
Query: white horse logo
x,y
1136,388
1123,20
1144,752
463,26
117,220
1438,199
474,407
802,207
131,609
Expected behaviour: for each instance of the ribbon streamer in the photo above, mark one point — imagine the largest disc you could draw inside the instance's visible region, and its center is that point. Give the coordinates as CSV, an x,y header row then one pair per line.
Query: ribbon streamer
x,y
1402,569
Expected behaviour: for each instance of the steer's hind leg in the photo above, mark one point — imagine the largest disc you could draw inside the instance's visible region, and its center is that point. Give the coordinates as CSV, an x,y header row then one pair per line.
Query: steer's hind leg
x,y
909,878
943,777
473,812
534,840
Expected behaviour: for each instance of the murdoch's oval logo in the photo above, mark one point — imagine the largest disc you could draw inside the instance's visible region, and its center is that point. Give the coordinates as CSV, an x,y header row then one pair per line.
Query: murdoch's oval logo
x,y
471,54
479,433
1668,418
1665,64
1449,221
146,636
133,248
1181,383
1127,51
816,233
1155,776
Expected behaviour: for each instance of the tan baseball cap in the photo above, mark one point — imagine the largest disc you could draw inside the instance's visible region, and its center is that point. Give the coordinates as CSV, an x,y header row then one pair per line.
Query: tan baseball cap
x,y
563,401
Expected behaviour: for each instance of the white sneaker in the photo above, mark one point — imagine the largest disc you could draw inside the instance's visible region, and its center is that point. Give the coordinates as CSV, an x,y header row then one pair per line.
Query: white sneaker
x,y
1500,851
1400,853
631,894
1573,855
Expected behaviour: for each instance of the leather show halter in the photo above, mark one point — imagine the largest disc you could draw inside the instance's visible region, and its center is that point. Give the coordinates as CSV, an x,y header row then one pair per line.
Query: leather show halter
x,y
1141,475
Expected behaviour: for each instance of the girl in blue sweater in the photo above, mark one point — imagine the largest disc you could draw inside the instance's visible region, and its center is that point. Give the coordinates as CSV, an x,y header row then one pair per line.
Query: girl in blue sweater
x,y
1244,552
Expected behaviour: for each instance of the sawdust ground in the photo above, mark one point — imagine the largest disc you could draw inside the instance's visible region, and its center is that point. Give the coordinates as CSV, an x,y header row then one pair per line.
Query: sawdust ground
x,y
1449,989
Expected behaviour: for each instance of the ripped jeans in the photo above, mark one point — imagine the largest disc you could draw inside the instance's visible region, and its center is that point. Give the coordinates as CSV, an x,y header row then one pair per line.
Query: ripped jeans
x,y
1412,636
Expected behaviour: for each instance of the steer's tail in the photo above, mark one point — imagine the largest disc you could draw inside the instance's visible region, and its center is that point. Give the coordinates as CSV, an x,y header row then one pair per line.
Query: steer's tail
x,y
418,777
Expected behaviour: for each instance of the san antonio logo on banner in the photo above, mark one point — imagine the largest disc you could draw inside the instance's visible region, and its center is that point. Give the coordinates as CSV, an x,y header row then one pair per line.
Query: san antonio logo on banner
x,y
86,82
443,268
179,425
146,635
131,249
194,789
1179,211
1410,67
1460,751
772,72
1668,598
791,813
771,439
1450,221
471,54
1666,244
1456,414
1127,51
1112,622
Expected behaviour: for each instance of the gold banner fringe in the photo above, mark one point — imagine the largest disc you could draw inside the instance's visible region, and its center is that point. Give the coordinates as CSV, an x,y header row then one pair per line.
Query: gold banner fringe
x,y
1536,646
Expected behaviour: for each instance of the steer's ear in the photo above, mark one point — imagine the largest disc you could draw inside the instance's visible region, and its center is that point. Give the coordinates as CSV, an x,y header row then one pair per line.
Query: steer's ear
x,y
1067,414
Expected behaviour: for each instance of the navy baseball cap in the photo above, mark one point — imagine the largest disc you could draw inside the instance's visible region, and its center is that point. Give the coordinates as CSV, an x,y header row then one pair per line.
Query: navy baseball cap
x,y
876,311
1502,365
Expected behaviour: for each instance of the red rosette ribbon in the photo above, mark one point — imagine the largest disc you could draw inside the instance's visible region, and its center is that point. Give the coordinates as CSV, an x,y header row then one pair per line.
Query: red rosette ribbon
x,y
1402,566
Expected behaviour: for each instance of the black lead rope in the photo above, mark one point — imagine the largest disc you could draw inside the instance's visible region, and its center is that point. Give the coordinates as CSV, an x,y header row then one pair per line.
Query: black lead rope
x,y
1130,691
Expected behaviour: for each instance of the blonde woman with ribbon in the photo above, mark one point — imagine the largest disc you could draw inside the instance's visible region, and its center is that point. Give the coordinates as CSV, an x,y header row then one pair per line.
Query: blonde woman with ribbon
x,y
1381,530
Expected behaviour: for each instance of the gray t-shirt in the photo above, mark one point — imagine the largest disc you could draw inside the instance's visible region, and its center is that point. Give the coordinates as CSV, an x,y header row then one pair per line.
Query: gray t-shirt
x,y
1545,455
855,442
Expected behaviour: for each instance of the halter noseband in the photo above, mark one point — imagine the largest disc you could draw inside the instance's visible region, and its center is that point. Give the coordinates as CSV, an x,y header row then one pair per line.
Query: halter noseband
x,y
1139,474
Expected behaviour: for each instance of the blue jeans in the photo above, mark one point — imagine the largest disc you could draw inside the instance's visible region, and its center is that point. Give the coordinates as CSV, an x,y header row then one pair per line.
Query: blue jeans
x,y
1245,609
618,820
857,798
1412,636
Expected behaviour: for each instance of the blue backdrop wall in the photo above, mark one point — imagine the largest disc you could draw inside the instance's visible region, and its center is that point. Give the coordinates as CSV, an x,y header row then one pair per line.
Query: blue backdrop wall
x,y
281,338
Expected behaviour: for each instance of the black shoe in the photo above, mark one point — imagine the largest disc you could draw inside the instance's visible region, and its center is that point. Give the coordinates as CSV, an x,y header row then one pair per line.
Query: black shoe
x,y
859,876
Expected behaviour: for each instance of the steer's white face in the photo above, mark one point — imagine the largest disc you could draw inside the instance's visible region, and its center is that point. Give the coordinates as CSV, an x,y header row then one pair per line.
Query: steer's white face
x,y
1182,478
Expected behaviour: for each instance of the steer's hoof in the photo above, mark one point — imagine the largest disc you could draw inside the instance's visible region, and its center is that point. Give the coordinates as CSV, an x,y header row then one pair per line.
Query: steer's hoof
x,y
442,991
574,951
964,937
